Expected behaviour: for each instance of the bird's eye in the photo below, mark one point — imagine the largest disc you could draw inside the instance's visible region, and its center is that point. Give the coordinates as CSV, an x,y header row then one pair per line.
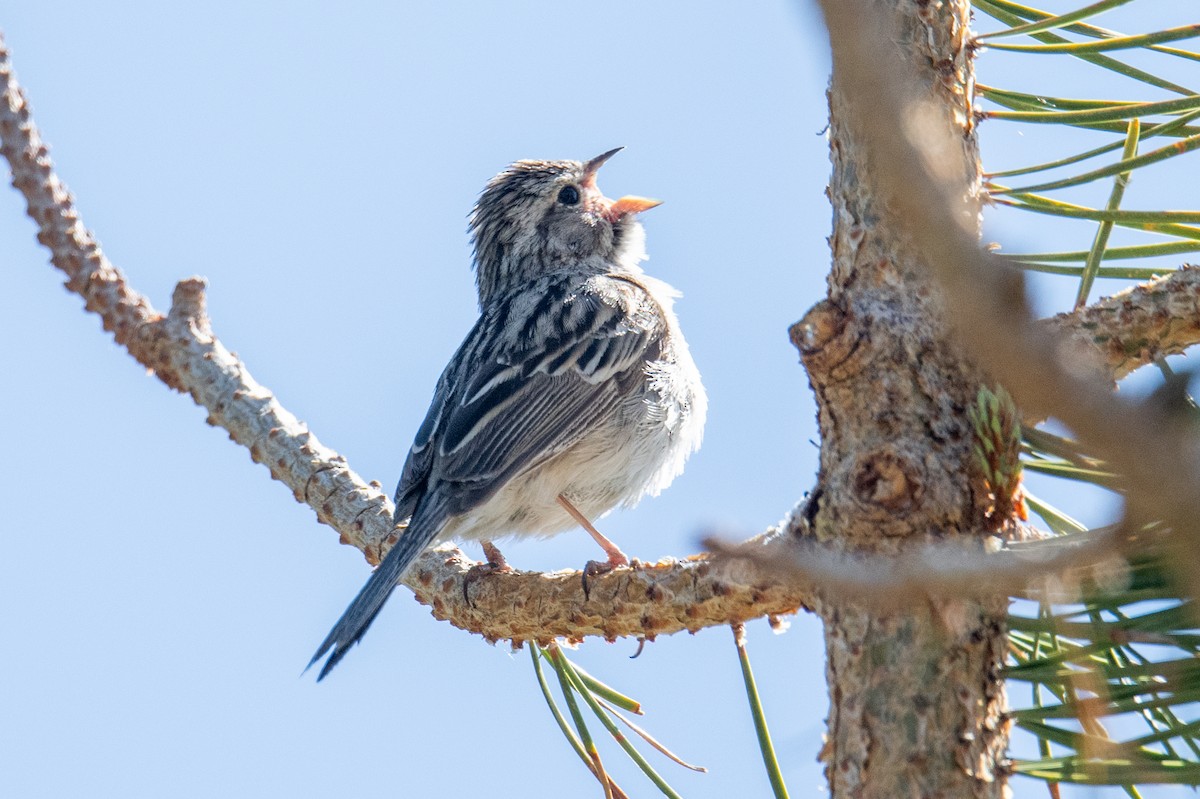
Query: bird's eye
x,y
569,195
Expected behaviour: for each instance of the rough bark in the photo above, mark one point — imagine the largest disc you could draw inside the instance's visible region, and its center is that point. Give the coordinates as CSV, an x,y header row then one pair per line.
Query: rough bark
x,y
1149,444
915,692
1137,325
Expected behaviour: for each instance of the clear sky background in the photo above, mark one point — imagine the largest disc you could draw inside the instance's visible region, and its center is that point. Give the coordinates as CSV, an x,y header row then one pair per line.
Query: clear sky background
x,y
160,594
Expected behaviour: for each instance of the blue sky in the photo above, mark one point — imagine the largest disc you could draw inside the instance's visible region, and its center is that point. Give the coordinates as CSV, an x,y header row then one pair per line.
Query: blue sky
x,y
162,594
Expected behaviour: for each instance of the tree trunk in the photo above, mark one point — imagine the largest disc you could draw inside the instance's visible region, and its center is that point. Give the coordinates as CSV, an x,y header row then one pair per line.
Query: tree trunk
x,y
916,695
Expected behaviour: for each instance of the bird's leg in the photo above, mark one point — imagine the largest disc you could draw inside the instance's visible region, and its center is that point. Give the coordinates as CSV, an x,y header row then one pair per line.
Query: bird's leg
x,y
595,568
615,556
494,556
495,564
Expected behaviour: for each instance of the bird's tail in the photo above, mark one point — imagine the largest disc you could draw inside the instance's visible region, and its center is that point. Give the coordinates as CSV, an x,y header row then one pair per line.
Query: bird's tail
x,y
370,600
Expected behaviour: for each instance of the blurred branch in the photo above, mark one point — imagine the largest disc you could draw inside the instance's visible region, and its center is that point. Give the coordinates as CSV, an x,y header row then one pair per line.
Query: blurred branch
x,y
1138,325
1153,451
181,349
946,569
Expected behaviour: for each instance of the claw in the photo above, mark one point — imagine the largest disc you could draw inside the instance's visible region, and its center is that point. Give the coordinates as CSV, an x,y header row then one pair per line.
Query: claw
x,y
593,568
496,564
596,568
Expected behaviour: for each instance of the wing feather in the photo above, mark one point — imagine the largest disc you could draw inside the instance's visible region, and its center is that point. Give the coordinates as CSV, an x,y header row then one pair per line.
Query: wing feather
x,y
503,405
549,413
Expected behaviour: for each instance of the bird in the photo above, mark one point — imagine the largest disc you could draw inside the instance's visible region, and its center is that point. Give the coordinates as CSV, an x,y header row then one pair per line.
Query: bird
x,y
572,394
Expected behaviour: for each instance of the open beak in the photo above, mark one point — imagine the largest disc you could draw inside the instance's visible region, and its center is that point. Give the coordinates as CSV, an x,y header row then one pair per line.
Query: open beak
x,y
623,207
592,167
629,205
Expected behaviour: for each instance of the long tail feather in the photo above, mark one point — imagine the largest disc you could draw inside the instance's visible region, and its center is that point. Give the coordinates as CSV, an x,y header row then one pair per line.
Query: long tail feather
x,y
354,623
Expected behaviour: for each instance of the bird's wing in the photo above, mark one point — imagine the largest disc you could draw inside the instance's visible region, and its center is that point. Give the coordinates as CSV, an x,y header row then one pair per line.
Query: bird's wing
x,y
519,398
504,405
414,477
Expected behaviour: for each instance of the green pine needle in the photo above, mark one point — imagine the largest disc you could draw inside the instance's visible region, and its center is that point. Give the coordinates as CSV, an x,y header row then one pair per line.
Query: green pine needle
x,y
1106,45
1100,243
568,673
1015,14
1049,23
770,761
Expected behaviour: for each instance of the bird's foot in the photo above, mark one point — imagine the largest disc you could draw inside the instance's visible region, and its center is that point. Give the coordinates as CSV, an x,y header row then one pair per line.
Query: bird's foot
x,y
496,564
595,568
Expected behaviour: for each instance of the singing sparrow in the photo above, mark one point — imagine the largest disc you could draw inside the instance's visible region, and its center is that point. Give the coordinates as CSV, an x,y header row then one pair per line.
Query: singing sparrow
x,y
573,393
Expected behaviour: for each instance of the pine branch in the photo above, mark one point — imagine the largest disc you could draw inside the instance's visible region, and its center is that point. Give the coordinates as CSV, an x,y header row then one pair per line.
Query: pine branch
x,y
1138,325
950,570
181,349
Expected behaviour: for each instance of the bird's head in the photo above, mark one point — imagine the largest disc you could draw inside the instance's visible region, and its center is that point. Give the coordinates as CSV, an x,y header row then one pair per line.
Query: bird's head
x,y
544,216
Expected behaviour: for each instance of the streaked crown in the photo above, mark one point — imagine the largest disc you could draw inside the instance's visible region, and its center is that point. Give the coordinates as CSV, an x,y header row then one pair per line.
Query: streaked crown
x,y
537,217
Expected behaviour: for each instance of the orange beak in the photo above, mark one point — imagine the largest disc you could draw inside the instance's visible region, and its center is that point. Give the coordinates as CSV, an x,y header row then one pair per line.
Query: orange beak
x,y
629,205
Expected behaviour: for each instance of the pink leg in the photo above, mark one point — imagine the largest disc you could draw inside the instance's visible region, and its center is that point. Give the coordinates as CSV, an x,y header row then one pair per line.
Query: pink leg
x,y
494,556
615,556
594,568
